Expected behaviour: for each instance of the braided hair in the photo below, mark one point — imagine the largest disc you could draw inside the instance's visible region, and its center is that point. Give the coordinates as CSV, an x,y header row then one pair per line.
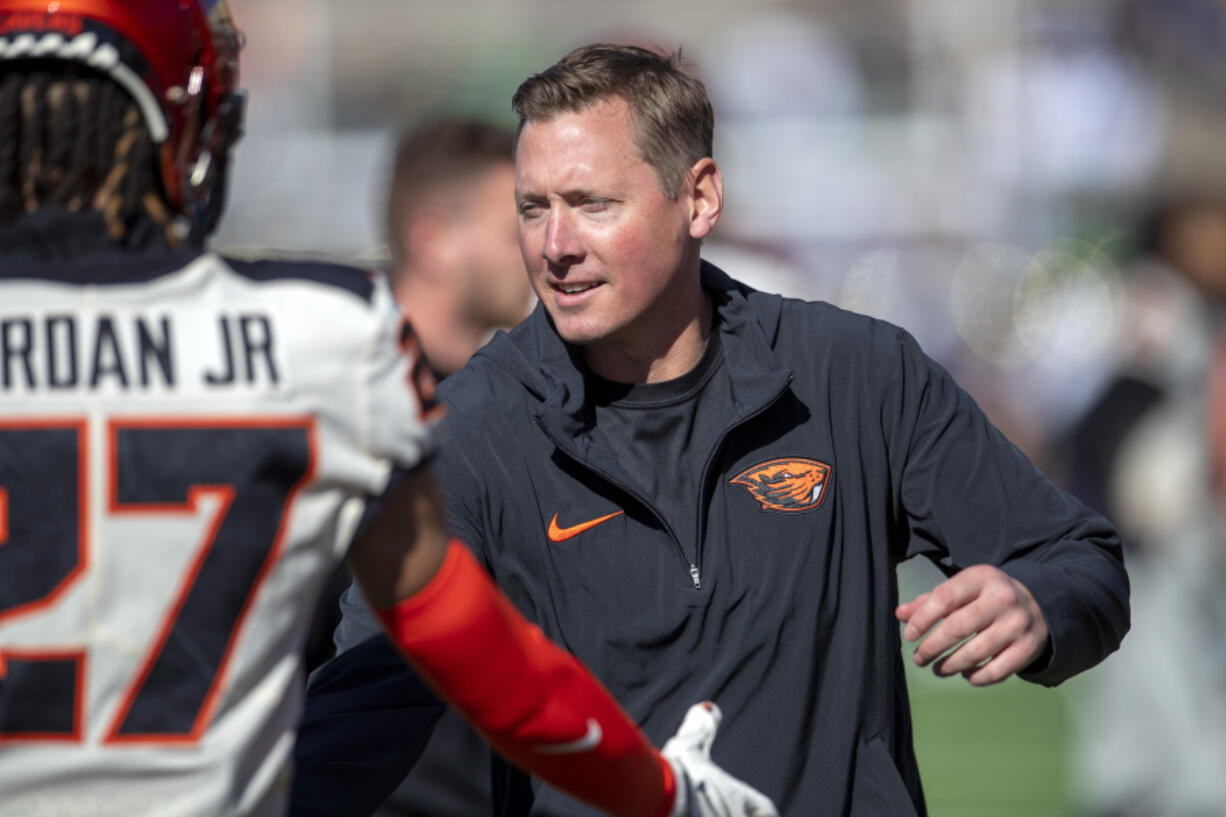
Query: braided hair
x,y
71,137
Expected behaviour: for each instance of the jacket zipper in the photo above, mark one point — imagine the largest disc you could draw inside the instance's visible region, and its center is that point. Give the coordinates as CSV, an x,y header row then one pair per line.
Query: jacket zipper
x,y
706,473
695,573
691,565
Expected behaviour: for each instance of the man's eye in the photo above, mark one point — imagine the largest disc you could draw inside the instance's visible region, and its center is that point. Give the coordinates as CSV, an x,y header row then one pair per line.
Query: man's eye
x,y
528,209
595,205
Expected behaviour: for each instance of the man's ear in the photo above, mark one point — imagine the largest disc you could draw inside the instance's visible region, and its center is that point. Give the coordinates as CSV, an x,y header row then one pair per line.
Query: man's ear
x,y
706,194
431,243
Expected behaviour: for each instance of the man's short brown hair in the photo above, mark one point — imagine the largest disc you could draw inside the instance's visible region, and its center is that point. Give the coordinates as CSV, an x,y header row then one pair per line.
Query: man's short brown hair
x,y
443,153
668,105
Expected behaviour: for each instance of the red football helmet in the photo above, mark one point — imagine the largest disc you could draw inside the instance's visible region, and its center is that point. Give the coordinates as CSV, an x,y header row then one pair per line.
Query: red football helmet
x,y
179,61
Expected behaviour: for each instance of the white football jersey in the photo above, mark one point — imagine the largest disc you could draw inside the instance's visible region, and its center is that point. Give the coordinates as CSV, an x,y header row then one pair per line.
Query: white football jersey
x,y
184,456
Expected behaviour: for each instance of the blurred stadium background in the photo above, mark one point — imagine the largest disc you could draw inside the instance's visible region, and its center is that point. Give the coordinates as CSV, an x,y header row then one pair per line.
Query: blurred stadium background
x,y
973,170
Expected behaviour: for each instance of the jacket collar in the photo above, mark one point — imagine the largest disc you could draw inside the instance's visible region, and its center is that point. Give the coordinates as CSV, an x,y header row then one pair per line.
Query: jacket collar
x,y
553,370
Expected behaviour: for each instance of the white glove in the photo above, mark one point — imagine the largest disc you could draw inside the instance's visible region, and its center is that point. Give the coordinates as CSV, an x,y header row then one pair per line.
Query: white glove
x,y
704,789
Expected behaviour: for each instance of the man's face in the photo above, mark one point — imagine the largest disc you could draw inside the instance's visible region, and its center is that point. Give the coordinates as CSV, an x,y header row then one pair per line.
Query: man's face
x,y
608,253
497,291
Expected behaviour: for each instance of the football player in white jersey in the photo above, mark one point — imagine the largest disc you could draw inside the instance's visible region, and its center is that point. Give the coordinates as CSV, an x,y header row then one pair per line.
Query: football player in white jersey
x,y
188,444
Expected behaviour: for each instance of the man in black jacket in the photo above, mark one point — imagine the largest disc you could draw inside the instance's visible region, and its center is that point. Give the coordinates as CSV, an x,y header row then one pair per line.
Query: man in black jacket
x,y
704,491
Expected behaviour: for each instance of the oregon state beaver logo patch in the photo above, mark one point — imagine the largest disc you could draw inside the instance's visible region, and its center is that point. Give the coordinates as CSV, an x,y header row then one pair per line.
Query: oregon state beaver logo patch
x,y
786,483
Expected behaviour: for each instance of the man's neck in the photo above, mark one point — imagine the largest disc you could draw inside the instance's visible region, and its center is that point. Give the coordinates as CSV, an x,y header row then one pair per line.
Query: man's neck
x,y
447,338
666,357
55,233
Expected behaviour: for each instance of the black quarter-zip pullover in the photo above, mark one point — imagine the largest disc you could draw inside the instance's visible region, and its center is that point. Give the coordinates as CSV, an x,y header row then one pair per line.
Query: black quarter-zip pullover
x,y
830,449
843,451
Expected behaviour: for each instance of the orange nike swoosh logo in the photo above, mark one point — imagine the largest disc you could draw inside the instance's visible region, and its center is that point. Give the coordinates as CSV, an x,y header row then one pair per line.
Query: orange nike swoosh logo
x,y
557,534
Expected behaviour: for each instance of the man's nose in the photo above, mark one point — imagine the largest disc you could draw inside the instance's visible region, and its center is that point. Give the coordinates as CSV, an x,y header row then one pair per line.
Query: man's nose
x,y
563,244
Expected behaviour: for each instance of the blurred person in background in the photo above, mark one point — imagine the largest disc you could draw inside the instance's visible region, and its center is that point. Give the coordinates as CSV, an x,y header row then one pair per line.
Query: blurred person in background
x,y
696,486
457,276
455,271
1150,452
190,442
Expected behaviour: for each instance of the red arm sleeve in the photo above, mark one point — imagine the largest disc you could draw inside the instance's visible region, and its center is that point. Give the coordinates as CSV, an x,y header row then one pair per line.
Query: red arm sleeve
x,y
534,702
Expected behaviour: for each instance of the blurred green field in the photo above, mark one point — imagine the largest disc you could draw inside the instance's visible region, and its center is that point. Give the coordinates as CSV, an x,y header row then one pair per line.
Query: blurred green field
x,y
1000,751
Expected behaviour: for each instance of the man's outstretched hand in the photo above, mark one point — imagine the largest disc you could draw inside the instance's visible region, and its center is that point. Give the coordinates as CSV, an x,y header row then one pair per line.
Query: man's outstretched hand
x,y
704,789
989,626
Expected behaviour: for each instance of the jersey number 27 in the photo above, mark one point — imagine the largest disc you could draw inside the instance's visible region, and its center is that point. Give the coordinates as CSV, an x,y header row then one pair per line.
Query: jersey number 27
x,y
251,468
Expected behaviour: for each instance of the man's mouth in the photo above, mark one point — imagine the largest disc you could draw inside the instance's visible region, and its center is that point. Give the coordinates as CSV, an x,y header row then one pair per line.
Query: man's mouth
x,y
574,289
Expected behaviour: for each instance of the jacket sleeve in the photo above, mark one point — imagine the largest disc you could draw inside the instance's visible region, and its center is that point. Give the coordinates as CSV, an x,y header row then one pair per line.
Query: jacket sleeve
x,y
968,496
460,472
365,722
